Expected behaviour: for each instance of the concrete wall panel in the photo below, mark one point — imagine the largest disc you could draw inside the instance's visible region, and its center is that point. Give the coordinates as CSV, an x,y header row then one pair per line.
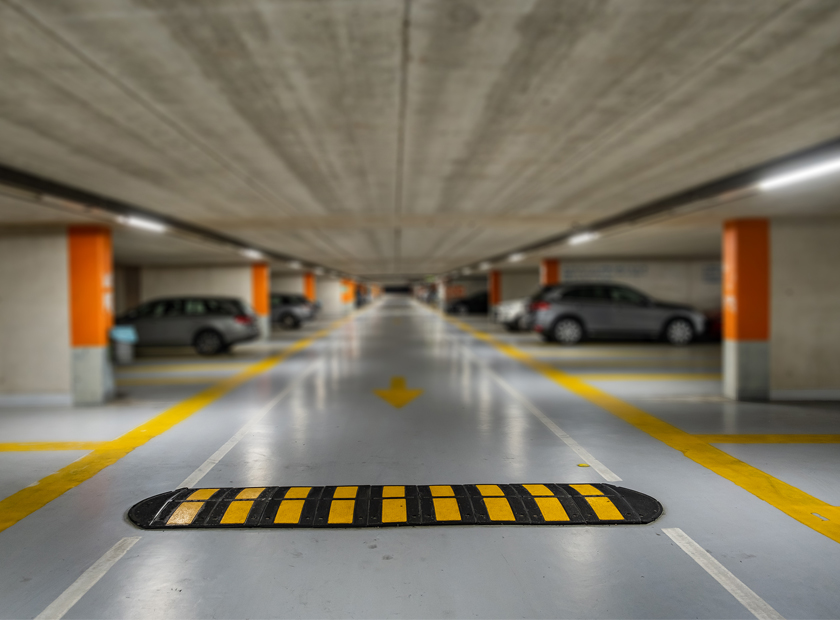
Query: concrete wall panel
x,y
171,281
35,320
287,283
519,284
804,308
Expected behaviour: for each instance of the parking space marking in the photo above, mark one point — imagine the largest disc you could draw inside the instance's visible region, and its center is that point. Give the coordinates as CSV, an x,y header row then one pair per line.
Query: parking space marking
x,y
756,605
219,454
23,503
789,438
785,497
605,472
60,606
49,446
685,376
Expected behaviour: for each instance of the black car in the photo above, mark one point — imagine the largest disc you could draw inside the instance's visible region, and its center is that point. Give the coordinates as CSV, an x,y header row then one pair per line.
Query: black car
x,y
477,303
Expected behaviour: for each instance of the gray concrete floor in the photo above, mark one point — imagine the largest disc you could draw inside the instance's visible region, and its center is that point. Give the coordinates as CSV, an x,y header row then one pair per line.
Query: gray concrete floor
x,y
464,428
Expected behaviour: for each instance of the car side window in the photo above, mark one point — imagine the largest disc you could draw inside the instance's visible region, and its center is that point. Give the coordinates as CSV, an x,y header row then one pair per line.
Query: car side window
x,y
194,307
586,293
168,308
223,307
623,295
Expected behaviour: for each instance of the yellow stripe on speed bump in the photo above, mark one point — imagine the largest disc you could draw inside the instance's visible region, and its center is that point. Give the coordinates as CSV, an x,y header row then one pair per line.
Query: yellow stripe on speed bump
x,y
375,506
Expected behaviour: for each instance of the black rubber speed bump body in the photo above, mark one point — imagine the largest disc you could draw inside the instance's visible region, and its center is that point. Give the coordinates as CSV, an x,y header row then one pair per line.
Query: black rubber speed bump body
x,y
381,506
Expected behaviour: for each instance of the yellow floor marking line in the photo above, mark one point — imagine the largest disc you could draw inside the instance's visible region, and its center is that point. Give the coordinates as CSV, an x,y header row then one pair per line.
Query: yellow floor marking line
x,y
783,496
26,501
208,367
686,376
790,438
166,381
47,446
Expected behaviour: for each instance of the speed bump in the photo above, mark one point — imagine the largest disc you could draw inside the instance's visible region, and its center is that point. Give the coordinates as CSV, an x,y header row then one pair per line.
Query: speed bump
x,y
391,505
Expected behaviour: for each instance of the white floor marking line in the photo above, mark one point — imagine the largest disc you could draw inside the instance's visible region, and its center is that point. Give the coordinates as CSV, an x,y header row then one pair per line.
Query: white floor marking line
x,y
605,472
60,606
756,605
219,454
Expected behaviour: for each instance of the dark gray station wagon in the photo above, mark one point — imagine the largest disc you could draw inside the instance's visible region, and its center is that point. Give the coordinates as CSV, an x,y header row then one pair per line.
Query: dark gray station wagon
x,y
567,313
210,324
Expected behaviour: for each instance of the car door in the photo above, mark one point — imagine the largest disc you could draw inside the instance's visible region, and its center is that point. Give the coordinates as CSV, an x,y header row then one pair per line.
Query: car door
x,y
170,323
591,303
632,312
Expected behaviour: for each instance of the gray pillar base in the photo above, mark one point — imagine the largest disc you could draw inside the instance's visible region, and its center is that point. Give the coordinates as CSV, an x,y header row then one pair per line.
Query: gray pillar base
x,y
264,323
746,370
93,376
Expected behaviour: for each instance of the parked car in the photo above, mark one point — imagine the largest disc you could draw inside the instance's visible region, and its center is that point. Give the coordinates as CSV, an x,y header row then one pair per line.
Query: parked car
x,y
567,313
477,303
210,324
291,310
512,315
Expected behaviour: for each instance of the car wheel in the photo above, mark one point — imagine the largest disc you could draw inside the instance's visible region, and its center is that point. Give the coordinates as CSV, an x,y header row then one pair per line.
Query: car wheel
x,y
209,342
289,321
679,332
567,331
522,323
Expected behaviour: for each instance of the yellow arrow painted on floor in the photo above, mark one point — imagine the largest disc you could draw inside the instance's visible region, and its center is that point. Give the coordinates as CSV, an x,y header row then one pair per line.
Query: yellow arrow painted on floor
x,y
398,394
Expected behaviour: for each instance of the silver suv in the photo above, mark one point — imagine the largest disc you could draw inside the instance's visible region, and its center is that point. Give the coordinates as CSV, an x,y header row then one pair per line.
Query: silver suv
x,y
210,324
567,313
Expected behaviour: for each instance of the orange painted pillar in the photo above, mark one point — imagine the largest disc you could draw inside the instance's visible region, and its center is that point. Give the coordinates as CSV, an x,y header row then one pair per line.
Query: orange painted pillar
x,y
746,309
495,285
261,297
549,271
309,286
90,271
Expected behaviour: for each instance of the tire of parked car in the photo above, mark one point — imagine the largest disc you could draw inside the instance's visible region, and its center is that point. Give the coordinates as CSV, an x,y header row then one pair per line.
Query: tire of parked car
x,y
566,330
679,332
289,321
208,342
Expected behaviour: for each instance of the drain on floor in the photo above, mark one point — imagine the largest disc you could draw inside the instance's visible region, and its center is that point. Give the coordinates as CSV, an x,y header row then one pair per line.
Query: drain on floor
x,y
380,506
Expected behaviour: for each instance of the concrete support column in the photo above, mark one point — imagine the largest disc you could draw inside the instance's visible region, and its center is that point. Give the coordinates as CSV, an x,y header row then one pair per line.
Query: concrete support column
x,y
549,271
746,304
494,285
261,297
91,313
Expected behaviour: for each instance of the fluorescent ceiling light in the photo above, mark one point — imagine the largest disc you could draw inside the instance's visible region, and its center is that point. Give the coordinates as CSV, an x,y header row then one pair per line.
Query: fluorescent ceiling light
x,y
583,237
294,264
248,252
484,266
516,257
139,222
811,172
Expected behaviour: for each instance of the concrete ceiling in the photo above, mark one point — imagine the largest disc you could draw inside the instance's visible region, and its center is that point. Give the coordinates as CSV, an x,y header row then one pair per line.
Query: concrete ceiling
x,y
411,136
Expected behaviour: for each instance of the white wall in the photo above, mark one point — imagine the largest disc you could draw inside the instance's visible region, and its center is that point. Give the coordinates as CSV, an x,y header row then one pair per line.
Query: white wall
x,y
174,281
695,282
287,283
805,308
328,291
34,318
519,284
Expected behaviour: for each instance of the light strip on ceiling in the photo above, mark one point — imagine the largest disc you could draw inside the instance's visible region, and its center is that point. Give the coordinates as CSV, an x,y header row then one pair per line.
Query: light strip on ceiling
x,y
811,172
